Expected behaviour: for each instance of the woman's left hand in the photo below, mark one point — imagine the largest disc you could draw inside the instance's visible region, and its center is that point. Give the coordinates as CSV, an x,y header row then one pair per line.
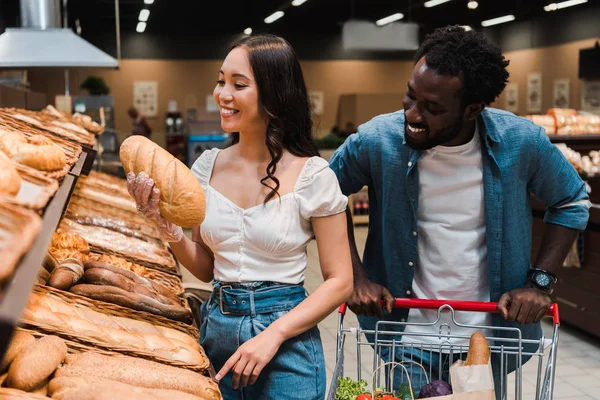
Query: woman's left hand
x,y
250,359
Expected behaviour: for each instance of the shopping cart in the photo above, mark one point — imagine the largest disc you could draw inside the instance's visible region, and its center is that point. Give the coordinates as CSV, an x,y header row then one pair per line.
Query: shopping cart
x,y
390,342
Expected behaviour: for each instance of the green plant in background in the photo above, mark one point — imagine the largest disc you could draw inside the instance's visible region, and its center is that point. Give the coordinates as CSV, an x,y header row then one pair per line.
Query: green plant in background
x,y
95,86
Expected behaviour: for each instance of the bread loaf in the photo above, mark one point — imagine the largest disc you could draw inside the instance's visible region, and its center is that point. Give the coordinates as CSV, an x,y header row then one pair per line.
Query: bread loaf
x,y
135,301
10,180
83,388
36,151
50,262
134,277
43,276
181,196
479,350
36,363
139,372
19,341
66,274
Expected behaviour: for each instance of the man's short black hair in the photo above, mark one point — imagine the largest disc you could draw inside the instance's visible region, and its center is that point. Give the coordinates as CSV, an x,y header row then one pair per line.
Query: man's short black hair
x,y
453,51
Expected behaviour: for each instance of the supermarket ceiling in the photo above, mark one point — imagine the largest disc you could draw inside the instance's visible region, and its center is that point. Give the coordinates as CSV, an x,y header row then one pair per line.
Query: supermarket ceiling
x,y
193,17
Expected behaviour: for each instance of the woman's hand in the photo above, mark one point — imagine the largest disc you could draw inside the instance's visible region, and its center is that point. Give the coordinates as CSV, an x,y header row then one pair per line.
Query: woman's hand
x,y
250,359
147,196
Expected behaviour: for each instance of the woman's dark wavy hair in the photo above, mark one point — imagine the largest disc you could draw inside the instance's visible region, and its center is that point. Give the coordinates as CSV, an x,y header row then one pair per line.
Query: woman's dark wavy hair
x,y
453,51
283,98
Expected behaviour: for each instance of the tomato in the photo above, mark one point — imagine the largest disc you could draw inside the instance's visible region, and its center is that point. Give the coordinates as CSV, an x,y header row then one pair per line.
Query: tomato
x,y
364,397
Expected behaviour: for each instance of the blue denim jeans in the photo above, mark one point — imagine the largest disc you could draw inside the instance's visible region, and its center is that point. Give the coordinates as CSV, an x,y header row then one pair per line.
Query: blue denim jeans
x,y
237,312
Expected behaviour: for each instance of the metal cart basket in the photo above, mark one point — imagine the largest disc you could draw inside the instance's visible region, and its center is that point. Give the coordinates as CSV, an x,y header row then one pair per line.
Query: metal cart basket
x,y
386,341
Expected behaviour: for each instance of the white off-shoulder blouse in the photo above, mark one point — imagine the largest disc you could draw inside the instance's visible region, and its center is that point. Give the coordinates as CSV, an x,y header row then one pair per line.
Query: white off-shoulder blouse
x,y
267,242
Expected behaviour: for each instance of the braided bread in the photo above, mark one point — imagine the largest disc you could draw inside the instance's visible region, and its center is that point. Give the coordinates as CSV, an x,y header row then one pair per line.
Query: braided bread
x,y
165,342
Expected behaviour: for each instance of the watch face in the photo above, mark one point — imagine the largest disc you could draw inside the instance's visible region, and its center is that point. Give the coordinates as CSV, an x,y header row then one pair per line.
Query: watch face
x,y
543,280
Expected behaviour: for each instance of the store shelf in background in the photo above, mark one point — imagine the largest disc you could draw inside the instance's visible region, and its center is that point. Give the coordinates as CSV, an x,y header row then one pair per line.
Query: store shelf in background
x,y
359,207
581,143
17,290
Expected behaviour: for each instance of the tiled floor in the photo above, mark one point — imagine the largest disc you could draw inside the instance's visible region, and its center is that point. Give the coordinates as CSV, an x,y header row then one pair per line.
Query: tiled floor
x,y
578,366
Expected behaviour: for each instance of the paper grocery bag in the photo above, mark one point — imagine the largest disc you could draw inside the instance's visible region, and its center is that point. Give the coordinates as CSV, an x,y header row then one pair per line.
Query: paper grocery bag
x,y
471,382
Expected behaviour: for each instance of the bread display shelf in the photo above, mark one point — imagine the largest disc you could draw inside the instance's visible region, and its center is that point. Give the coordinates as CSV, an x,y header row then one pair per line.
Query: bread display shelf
x,y
13,298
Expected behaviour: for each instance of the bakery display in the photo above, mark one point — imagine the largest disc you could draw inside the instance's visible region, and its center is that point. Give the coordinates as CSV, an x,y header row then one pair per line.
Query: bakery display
x,y
18,229
10,180
181,196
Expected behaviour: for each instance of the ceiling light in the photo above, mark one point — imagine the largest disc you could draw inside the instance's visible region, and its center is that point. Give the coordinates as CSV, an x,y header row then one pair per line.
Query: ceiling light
x,y
274,17
472,4
466,27
297,3
433,3
563,4
391,18
141,27
148,1
248,31
499,20
144,14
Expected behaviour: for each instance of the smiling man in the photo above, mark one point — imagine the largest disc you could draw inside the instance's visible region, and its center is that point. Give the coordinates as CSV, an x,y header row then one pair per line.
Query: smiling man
x,y
449,193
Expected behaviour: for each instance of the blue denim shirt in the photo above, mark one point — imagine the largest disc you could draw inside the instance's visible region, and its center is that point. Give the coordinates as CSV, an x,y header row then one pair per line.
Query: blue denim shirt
x,y
518,159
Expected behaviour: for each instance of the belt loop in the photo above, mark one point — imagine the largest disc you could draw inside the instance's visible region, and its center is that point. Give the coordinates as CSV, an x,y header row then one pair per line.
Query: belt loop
x,y
252,309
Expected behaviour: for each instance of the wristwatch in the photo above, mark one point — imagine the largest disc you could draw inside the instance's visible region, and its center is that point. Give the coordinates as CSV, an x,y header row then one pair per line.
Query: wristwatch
x,y
541,279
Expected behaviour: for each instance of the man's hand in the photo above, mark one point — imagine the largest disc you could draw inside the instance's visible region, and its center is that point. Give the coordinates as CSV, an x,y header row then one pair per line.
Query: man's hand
x,y
525,306
366,299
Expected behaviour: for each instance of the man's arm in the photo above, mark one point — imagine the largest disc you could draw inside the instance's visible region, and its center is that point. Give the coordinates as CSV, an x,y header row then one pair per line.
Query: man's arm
x,y
353,170
555,182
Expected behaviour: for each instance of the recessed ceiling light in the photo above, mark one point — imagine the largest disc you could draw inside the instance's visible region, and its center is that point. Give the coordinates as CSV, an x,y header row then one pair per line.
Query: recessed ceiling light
x,y
499,20
274,17
144,14
297,3
472,4
141,27
466,27
433,3
148,1
391,18
564,4
248,31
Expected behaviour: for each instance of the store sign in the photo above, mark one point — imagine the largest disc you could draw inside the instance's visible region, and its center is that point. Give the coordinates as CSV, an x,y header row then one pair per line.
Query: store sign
x,y
561,96
534,92
590,96
145,97
512,98
317,99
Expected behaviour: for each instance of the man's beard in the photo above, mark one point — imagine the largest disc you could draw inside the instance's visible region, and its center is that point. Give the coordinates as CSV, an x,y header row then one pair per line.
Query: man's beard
x,y
438,138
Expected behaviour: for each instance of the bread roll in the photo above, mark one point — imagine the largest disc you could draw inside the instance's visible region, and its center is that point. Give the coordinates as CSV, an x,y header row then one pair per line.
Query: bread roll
x,y
50,262
479,351
10,180
139,372
82,388
43,276
36,363
19,341
66,274
181,196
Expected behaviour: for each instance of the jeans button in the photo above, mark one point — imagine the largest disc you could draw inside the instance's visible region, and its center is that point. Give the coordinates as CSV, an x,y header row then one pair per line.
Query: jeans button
x,y
243,301
410,264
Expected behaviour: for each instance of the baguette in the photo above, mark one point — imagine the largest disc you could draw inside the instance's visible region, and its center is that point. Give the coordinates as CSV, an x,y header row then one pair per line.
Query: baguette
x,y
36,363
19,341
66,274
479,351
163,290
135,301
139,372
181,196
84,388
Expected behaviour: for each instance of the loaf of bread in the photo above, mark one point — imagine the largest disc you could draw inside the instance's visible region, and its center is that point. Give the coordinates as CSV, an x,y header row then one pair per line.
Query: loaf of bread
x,y
181,196
163,342
84,388
68,272
138,280
69,241
35,363
19,341
138,372
43,276
135,301
50,262
36,151
10,180
479,350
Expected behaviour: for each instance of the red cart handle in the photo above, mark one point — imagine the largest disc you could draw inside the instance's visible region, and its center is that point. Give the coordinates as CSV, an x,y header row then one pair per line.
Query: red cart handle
x,y
457,306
